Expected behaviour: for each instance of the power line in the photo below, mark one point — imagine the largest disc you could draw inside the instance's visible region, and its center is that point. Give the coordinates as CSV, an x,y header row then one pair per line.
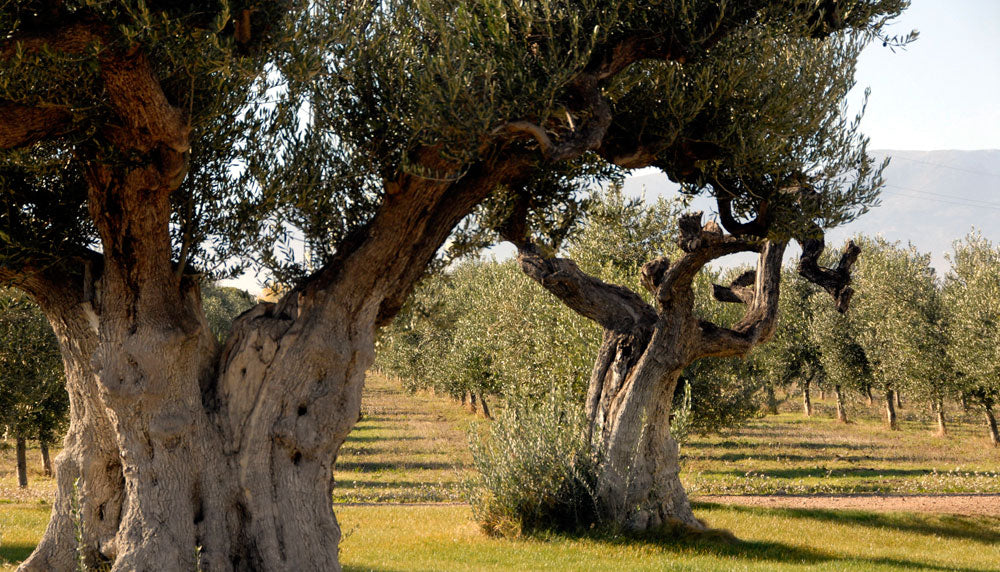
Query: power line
x,y
970,205
974,202
943,166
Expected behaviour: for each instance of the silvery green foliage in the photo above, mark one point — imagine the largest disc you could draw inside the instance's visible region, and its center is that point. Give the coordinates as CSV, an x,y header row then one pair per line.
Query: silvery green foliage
x,y
33,402
899,318
972,297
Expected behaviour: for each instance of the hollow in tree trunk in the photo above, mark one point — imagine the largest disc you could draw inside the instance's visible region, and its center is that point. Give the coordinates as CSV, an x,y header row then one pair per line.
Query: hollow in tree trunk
x,y
841,409
22,462
890,410
643,352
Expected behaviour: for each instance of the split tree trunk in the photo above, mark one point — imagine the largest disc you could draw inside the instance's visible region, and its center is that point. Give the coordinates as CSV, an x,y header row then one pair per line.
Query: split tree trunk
x,y
841,409
807,406
890,410
22,462
642,355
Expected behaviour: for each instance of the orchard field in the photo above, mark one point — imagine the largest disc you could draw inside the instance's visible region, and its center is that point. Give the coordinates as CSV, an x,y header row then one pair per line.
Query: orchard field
x,y
399,497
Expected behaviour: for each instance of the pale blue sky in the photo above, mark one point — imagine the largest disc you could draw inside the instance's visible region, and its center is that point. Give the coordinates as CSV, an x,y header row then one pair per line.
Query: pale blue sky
x,y
943,90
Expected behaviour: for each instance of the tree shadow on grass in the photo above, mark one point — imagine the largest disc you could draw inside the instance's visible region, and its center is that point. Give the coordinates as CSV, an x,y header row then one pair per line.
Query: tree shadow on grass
x,y
15,552
982,529
819,472
722,544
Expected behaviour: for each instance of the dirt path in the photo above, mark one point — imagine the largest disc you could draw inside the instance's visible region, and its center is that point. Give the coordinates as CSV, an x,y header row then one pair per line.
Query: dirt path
x,y
985,504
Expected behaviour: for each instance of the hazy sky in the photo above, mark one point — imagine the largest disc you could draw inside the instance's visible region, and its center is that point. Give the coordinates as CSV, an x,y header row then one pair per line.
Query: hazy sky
x,y
943,90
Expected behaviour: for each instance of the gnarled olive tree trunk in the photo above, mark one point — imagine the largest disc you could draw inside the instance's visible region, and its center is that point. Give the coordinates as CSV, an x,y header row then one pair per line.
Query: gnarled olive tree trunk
x,y
645,350
185,455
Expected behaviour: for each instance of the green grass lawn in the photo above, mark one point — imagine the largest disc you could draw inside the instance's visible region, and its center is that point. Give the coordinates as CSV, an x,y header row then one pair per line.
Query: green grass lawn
x,y
413,449
389,538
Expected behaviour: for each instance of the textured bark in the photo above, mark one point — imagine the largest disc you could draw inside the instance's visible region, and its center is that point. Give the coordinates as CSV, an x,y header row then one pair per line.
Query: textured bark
x,y
841,409
22,462
642,355
942,427
890,410
43,445
991,425
807,406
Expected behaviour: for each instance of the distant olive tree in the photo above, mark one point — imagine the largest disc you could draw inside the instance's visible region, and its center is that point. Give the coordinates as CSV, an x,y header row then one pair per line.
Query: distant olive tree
x,y
33,400
972,297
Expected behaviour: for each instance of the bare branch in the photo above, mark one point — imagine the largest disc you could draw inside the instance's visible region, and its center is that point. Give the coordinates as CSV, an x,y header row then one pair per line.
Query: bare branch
x,y
527,128
701,244
613,307
738,290
836,281
760,319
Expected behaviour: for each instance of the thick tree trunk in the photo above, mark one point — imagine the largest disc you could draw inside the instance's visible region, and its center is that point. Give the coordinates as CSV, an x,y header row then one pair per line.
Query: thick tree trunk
x,y
485,407
942,428
898,400
890,410
841,409
43,445
22,462
807,406
991,425
868,394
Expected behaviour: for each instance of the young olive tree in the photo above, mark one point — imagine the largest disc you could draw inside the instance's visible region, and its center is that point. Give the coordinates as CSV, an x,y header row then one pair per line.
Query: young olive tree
x,y
842,358
900,323
145,142
793,354
972,297
32,397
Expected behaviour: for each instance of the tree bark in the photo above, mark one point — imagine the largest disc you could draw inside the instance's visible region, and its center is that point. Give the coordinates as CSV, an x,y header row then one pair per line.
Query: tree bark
x,y
642,355
868,394
942,428
841,409
991,425
890,410
485,407
22,462
807,406
898,400
43,445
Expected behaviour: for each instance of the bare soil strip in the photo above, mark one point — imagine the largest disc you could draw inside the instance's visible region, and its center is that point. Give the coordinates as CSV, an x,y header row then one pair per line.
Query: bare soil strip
x,y
984,504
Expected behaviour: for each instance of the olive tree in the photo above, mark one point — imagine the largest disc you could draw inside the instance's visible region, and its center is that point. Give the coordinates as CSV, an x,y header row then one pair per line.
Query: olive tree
x,y
32,399
144,143
972,297
900,323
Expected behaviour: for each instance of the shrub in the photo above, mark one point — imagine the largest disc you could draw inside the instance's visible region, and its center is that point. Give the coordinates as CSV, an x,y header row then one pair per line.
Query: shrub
x,y
537,469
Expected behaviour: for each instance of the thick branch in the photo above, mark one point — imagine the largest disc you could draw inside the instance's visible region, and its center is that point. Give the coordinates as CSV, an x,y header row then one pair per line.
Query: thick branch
x,y
23,125
836,281
612,306
701,245
760,319
738,290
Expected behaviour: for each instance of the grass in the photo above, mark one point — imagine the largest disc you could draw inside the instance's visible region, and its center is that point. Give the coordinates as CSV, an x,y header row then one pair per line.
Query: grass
x,y
393,537
412,449
789,453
